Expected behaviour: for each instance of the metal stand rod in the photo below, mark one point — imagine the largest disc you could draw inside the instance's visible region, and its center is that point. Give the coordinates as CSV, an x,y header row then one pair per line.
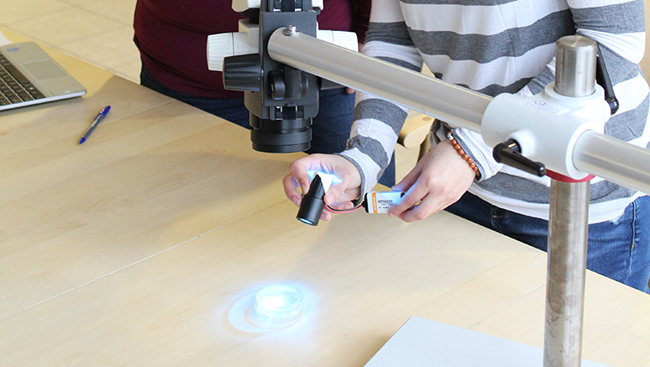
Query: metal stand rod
x,y
568,223
565,285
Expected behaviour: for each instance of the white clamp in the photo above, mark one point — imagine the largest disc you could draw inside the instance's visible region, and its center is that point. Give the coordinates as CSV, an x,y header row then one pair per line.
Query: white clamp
x,y
546,125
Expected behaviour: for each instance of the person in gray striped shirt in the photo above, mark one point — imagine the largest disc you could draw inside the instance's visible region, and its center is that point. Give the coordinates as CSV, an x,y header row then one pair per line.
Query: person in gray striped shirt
x,y
493,47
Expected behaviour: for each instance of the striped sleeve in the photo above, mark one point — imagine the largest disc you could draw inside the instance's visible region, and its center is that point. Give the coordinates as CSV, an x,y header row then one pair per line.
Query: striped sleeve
x,y
377,122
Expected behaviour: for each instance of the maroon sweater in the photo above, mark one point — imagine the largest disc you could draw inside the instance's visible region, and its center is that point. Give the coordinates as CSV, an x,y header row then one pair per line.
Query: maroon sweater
x,y
172,36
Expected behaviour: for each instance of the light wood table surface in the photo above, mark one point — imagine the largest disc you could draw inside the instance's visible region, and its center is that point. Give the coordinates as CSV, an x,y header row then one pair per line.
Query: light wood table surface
x,y
133,248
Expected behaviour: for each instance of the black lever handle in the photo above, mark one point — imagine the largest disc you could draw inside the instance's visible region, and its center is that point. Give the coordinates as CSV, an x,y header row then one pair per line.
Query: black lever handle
x,y
602,78
509,153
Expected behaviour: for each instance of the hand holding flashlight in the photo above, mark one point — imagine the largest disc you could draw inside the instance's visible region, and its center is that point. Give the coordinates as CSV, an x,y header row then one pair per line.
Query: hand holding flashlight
x,y
438,180
338,196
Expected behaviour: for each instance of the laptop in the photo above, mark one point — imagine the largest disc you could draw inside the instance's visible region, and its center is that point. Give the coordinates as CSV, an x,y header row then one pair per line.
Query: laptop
x,y
425,343
29,76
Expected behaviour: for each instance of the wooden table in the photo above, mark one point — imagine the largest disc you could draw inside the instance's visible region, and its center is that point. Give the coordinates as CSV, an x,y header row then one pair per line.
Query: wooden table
x,y
133,248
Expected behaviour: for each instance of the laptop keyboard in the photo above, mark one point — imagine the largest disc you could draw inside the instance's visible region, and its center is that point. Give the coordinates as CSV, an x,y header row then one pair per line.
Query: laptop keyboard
x,y
14,87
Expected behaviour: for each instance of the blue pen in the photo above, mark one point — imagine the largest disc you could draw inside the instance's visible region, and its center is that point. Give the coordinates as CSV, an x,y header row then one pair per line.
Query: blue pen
x,y
100,116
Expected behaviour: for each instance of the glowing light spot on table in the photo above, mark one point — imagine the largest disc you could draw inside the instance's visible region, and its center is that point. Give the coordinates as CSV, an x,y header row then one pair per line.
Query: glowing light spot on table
x,y
278,301
272,308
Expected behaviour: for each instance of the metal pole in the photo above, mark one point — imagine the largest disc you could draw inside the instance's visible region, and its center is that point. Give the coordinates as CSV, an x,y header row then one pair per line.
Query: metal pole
x,y
612,159
567,256
568,223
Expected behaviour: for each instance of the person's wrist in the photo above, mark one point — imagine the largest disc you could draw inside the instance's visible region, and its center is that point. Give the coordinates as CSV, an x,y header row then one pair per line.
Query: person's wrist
x,y
463,154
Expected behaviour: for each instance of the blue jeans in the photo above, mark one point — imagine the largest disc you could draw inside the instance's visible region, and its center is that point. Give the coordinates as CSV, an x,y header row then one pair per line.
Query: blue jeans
x,y
617,249
330,128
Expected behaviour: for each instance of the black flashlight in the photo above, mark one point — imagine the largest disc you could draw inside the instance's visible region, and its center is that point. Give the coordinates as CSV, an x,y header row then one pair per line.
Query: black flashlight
x,y
312,203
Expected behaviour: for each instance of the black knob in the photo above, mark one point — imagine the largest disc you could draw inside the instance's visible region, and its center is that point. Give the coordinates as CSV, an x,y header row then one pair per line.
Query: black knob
x,y
509,153
242,72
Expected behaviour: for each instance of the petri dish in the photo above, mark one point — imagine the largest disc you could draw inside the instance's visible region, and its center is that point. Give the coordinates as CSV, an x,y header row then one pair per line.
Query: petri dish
x,y
279,302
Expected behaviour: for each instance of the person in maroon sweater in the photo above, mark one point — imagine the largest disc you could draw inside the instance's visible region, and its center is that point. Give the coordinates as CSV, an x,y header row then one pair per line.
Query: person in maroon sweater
x,y
172,35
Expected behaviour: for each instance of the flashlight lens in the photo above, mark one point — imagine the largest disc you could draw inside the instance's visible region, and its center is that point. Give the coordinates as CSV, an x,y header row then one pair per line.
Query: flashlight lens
x,y
304,220
278,301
